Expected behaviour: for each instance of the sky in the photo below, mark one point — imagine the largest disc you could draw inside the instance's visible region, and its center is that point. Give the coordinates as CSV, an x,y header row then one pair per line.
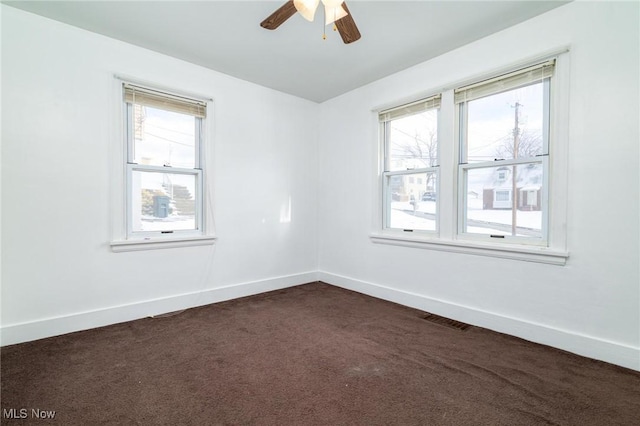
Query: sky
x,y
492,120
168,139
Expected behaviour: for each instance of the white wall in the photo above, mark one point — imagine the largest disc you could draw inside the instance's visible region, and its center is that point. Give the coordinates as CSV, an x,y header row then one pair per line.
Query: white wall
x,y
590,306
58,271
59,275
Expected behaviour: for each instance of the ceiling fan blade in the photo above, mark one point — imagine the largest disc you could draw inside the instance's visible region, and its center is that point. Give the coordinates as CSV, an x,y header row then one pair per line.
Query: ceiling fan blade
x,y
347,27
276,19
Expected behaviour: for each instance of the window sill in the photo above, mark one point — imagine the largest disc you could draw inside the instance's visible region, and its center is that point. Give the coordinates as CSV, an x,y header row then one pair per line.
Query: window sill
x,y
154,244
514,252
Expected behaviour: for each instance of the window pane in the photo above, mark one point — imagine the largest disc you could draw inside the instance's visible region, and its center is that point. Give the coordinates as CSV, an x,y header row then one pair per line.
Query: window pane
x,y
412,142
412,205
163,201
492,122
490,201
163,138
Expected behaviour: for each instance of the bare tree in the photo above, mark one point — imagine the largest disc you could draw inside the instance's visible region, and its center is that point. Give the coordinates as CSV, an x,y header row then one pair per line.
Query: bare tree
x,y
529,145
413,145
424,151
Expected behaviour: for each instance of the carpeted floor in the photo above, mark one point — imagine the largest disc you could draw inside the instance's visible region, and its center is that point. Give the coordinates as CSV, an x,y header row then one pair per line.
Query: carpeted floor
x,y
308,355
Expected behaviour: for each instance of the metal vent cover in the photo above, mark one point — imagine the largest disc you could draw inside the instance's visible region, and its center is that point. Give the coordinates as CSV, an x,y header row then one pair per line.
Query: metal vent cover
x,y
447,322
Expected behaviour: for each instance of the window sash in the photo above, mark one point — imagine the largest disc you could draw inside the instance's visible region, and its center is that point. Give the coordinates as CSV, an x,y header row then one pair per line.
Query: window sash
x,y
130,121
198,199
544,208
546,114
388,197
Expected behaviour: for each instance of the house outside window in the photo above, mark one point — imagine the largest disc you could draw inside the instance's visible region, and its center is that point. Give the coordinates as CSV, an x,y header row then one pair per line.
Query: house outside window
x,y
502,196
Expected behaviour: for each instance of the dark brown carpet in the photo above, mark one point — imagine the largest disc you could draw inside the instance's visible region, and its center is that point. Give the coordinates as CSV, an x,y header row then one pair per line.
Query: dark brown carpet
x,y
309,355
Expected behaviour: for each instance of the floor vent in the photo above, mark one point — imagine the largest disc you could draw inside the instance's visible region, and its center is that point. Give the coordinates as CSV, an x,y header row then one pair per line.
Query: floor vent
x,y
446,322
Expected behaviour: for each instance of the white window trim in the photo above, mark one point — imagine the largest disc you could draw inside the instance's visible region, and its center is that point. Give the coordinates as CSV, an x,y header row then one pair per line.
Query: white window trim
x,y
407,108
118,180
555,252
506,251
153,244
541,75
543,161
388,195
199,222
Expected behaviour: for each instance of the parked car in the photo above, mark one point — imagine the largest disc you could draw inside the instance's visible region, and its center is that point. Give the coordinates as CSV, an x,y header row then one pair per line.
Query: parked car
x,y
429,196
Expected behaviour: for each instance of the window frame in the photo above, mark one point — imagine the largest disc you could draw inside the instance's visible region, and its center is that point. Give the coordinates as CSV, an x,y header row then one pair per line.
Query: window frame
x,y
432,102
124,238
199,213
542,159
448,238
462,206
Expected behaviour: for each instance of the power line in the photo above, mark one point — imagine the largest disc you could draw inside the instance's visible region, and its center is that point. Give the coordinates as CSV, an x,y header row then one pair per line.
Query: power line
x,y
412,136
170,130
170,140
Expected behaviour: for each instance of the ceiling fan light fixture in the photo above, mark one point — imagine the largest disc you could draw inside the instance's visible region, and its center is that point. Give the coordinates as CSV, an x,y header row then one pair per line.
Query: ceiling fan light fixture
x,y
336,11
332,3
332,14
306,8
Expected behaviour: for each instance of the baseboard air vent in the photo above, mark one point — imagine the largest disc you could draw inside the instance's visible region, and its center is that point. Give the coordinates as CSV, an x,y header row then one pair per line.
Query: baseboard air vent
x,y
447,322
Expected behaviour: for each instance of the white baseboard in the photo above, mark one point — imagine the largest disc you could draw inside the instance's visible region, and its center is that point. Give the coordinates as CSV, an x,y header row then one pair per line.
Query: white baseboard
x,y
28,331
592,347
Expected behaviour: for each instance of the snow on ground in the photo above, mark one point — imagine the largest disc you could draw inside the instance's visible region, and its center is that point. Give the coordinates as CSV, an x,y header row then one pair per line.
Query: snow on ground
x,y
531,220
402,220
402,217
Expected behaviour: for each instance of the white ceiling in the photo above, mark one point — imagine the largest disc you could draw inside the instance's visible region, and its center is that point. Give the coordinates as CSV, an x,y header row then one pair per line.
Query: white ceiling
x,y
226,36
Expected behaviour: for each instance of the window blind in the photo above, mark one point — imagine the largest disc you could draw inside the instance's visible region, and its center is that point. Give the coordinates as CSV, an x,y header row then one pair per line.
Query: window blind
x,y
410,109
170,102
505,82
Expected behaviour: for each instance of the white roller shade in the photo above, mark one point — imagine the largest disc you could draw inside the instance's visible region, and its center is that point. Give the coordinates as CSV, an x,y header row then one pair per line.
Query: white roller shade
x,y
170,102
505,82
410,109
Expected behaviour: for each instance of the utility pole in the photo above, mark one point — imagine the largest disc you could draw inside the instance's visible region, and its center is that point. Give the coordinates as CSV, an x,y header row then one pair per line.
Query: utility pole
x,y
514,189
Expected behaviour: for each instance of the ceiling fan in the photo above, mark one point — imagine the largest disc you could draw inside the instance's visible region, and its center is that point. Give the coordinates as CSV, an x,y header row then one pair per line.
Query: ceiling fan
x,y
336,12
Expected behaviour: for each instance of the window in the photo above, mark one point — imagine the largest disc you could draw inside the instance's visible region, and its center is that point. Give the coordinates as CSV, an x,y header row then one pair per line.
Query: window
x,y
164,166
484,185
410,134
504,149
502,196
